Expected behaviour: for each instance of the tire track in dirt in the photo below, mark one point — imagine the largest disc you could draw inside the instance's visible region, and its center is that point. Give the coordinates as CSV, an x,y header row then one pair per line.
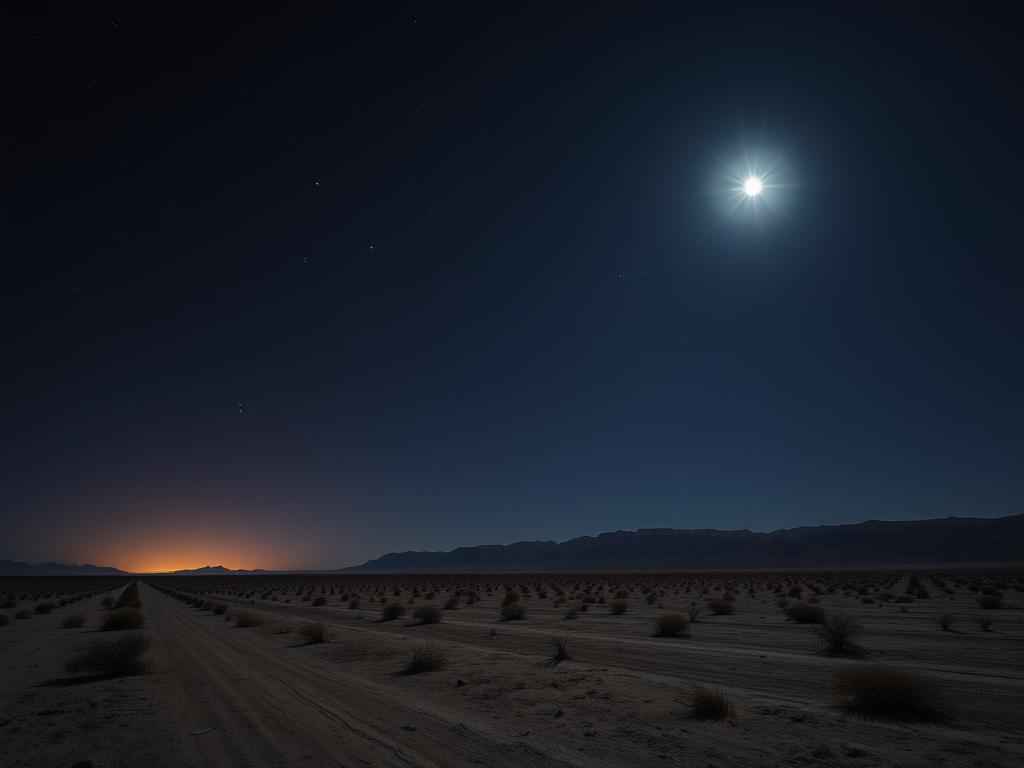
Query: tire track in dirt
x,y
269,708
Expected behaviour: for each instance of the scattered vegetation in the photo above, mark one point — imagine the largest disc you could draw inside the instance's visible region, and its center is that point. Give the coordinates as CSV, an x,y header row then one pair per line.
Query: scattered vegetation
x,y
722,607
513,612
122,618
706,703
837,634
392,611
112,658
887,691
313,632
561,648
427,614
246,620
671,625
991,602
77,621
427,658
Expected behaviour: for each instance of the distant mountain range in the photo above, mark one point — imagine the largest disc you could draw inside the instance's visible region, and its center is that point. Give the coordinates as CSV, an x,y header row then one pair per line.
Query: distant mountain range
x,y
873,543
215,570
15,568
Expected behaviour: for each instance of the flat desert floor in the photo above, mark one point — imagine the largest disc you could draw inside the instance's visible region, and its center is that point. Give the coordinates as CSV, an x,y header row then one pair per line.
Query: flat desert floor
x,y
219,694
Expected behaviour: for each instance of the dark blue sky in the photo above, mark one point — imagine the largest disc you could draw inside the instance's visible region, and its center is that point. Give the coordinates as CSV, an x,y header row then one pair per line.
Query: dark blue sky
x,y
297,290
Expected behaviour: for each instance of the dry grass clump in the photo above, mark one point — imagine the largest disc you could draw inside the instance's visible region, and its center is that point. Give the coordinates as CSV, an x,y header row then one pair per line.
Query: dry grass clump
x,y
392,611
671,625
73,622
706,703
427,614
722,607
313,632
883,690
513,612
837,634
561,648
991,602
112,658
245,620
426,658
122,618
804,613
617,607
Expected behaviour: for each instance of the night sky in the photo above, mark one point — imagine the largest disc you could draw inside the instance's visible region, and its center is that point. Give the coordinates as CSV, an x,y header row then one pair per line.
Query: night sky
x,y
297,290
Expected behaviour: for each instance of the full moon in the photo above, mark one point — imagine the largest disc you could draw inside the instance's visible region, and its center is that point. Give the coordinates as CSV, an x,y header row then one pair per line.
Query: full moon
x,y
752,186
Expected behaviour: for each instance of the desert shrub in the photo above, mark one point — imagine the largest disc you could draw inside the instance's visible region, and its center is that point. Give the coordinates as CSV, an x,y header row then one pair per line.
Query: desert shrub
x,y
318,601
108,602
245,620
112,657
313,632
694,611
509,598
219,609
945,621
512,612
722,607
123,618
802,613
392,611
617,607
427,614
571,613
837,634
984,622
45,607
24,613
4,620
73,622
353,603
881,690
990,602
451,603
671,625
706,703
560,644
427,658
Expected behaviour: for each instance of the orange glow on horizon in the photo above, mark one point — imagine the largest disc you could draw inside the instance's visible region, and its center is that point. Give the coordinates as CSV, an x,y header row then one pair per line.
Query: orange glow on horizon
x,y
173,543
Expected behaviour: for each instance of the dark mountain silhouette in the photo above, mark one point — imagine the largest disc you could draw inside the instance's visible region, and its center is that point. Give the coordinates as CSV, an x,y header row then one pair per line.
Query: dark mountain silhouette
x,y
874,543
214,570
15,568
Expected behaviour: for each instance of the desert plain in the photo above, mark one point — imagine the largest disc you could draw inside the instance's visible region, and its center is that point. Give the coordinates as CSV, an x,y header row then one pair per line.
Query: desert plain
x,y
614,669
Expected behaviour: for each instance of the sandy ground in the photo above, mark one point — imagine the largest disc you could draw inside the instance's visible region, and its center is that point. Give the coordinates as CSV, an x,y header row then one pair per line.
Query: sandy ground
x,y
220,695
